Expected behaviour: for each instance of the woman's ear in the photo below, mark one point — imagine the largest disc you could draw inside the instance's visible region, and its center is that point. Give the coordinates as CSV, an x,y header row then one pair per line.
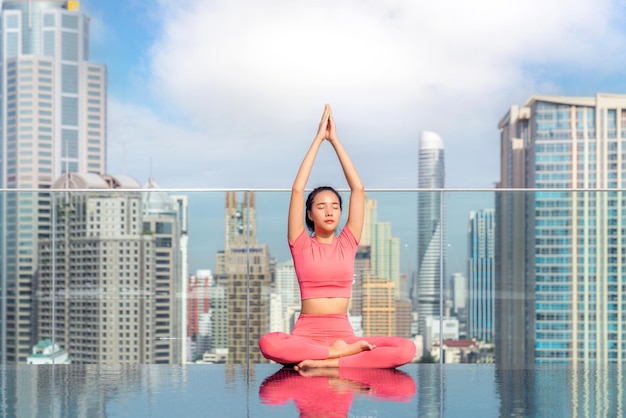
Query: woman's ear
x,y
308,215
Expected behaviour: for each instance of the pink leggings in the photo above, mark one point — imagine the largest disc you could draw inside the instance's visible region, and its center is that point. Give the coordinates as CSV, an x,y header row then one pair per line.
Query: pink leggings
x,y
313,334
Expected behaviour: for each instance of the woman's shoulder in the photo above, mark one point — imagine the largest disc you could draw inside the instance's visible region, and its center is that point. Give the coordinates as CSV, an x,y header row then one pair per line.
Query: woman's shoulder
x,y
301,240
347,237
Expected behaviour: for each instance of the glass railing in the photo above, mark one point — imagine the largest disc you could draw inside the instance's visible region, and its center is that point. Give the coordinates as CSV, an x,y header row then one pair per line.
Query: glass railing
x,y
520,279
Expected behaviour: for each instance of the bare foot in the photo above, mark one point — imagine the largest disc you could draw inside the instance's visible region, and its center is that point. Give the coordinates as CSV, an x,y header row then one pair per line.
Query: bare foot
x,y
339,349
342,349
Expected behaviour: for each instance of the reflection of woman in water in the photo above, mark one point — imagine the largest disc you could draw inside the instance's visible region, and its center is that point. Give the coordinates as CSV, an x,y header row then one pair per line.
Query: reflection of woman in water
x,y
329,392
324,263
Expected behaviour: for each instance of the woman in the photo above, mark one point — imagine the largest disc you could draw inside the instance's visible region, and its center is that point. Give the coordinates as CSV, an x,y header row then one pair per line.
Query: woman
x,y
324,264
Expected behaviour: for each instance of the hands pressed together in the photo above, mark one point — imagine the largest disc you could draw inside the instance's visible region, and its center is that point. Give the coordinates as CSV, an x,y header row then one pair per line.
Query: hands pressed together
x,y
327,129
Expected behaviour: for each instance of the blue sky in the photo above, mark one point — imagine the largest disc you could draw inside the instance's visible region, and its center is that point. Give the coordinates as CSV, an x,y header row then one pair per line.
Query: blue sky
x,y
228,94
193,84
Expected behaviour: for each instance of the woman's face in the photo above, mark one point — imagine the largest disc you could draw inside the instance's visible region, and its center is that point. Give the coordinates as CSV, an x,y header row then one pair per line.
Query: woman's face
x,y
325,211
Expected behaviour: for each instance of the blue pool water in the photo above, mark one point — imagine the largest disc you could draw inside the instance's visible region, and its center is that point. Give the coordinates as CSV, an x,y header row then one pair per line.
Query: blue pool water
x,y
416,390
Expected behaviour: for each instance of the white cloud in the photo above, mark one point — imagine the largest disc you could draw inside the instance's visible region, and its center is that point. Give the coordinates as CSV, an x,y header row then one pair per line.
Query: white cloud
x,y
251,78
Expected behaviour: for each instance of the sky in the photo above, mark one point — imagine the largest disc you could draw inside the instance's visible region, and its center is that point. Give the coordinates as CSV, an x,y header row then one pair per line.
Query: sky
x,y
223,93
229,93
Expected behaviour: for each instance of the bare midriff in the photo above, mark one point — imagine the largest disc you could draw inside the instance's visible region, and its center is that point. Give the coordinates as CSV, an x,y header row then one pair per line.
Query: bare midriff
x,y
325,306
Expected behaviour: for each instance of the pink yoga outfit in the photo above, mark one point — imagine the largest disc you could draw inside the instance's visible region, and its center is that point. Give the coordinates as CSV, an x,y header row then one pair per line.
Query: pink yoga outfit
x,y
326,270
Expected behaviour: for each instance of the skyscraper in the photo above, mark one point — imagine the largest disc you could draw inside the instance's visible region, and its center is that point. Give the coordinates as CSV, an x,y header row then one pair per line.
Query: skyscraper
x,y
287,293
384,248
181,203
480,273
560,252
431,259
162,220
108,277
379,306
198,312
53,120
245,266
95,281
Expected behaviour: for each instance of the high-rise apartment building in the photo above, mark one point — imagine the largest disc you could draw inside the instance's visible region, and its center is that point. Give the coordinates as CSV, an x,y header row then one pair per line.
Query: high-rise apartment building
x,y
161,219
53,113
560,252
198,300
95,285
431,257
285,297
378,306
480,273
376,273
181,204
459,286
403,318
384,248
108,277
245,265
362,269
219,316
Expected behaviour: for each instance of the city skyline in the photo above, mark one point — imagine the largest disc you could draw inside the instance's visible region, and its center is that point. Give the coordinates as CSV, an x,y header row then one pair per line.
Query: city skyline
x,y
221,96
230,140
70,161
134,37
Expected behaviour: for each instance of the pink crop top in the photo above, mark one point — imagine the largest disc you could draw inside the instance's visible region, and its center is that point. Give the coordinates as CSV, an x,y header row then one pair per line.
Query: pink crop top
x,y
324,270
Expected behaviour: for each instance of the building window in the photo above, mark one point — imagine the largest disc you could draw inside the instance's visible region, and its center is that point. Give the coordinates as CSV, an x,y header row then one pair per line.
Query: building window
x,y
69,78
69,111
69,46
48,43
163,242
69,21
163,227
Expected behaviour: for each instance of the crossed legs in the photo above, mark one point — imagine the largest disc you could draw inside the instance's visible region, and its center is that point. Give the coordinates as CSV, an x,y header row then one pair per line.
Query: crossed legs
x,y
353,351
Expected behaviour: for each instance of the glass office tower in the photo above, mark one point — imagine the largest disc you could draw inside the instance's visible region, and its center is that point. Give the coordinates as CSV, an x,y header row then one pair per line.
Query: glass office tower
x,y
563,248
480,273
431,229
53,120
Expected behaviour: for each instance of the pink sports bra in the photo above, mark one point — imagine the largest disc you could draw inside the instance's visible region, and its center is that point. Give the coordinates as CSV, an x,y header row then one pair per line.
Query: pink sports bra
x,y
324,270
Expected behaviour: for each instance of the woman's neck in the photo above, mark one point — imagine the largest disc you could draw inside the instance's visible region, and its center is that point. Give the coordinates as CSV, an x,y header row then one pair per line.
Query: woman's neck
x,y
324,237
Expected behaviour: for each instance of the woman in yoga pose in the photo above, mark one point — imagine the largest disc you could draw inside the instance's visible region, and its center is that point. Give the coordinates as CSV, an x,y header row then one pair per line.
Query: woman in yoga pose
x,y
324,264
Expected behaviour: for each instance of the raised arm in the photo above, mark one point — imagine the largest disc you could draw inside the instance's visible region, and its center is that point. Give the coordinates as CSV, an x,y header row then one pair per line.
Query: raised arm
x,y
357,190
295,223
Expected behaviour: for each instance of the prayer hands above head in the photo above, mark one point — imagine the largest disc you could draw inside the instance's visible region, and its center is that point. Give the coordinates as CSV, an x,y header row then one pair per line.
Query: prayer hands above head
x,y
327,128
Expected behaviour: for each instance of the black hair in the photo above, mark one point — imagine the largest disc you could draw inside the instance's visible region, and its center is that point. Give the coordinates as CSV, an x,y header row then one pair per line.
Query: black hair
x,y
309,204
